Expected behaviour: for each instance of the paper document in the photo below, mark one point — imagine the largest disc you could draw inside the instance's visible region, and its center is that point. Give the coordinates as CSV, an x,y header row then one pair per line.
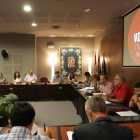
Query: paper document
x,y
97,93
127,113
82,89
89,87
69,133
107,102
34,129
23,83
54,83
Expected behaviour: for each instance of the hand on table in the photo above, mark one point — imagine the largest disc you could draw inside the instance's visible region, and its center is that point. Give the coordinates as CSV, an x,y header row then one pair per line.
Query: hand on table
x,y
46,133
30,82
105,97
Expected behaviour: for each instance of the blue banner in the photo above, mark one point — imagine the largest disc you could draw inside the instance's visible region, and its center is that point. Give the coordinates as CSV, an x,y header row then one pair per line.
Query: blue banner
x,y
104,66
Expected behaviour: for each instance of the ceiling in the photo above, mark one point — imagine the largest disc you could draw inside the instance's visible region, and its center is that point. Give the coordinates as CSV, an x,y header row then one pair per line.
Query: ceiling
x,y
64,13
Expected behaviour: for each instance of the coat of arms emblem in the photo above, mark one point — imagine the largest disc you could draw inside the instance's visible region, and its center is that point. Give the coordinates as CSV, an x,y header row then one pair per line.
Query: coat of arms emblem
x,y
71,62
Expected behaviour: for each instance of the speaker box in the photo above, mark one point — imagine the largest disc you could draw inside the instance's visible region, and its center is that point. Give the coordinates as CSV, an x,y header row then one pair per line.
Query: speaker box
x,y
4,53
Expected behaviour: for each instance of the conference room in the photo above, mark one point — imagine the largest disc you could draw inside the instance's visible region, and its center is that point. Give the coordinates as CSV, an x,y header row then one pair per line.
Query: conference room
x,y
51,53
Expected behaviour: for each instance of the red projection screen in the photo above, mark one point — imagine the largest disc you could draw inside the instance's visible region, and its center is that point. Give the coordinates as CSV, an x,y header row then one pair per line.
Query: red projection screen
x,y
131,46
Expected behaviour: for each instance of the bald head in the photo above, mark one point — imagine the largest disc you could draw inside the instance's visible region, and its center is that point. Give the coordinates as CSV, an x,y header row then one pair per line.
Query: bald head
x,y
103,79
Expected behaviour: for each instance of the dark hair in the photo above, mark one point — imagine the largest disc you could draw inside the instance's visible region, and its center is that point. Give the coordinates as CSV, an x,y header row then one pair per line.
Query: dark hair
x,y
22,114
56,72
87,73
72,72
15,74
137,85
96,77
96,105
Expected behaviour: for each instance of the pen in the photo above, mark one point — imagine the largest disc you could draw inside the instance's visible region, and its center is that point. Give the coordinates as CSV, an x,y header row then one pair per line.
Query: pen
x,y
44,127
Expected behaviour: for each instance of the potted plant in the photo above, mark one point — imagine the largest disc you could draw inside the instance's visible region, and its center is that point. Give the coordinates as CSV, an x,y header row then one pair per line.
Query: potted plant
x,y
6,104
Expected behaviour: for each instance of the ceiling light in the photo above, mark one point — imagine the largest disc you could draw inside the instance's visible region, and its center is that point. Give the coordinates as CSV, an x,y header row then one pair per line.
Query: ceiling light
x,y
87,10
81,35
90,35
34,24
27,8
64,35
52,35
72,35
77,25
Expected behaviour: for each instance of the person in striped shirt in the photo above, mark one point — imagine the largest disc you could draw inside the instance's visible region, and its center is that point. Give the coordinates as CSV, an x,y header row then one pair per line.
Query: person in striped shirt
x,y
21,120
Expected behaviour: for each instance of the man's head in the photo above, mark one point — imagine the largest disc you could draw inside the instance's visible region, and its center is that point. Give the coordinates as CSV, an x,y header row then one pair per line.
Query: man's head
x,y
87,74
57,73
95,107
22,114
119,79
137,89
31,72
103,79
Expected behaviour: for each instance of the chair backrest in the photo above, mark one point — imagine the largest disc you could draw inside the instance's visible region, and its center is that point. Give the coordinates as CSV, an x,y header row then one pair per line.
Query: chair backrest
x,y
43,79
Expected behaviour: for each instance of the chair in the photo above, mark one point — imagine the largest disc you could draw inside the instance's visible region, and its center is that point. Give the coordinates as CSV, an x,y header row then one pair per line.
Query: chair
x,y
44,79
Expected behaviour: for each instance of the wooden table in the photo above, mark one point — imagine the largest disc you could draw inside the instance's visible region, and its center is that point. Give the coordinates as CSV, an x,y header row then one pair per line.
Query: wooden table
x,y
37,92
134,126
64,131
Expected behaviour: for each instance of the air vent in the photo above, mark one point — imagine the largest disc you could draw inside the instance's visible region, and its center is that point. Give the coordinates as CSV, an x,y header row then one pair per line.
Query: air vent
x,y
55,27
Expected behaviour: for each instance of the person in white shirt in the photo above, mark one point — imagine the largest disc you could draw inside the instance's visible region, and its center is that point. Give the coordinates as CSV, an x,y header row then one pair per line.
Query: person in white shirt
x,y
17,78
30,78
72,77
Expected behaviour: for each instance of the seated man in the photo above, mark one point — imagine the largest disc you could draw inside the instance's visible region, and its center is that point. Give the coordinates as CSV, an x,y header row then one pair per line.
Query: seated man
x,y
57,78
2,79
30,78
135,101
122,93
21,120
88,79
100,126
107,87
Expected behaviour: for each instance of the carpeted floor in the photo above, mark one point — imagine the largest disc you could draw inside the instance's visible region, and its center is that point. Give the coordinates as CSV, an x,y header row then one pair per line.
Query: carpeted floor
x,y
55,113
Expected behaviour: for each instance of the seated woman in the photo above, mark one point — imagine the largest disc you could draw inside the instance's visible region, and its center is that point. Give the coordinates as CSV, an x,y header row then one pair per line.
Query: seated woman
x,y
17,78
72,77
95,83
2,79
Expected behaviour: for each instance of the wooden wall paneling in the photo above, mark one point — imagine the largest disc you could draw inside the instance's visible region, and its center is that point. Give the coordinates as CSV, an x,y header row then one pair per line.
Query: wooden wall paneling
x,y
112,47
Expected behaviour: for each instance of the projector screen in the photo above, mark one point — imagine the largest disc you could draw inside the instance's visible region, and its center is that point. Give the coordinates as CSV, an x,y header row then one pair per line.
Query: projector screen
x,y
131,47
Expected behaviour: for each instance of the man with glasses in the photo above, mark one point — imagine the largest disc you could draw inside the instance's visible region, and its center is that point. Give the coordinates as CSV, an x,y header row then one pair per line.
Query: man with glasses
x,y
122,93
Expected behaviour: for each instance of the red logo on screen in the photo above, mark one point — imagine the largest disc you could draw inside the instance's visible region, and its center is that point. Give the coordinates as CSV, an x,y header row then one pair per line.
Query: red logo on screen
x,y
134,38
71,62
